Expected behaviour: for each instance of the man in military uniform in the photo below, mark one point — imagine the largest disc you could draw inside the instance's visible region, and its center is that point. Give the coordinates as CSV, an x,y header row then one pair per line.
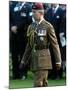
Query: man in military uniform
x,y
40,34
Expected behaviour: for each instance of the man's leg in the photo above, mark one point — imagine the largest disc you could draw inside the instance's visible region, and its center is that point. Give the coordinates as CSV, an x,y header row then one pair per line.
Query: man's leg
x,y
40,79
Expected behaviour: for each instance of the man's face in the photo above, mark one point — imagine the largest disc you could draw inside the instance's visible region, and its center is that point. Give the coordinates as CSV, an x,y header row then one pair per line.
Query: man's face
x,y
54,5
36,15
63,6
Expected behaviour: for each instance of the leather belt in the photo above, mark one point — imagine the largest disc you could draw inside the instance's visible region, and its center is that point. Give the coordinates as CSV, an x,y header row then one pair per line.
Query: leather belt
x,y
41,47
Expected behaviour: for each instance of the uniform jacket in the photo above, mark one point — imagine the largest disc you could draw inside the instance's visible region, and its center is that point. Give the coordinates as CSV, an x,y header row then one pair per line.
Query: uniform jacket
x,y
39,39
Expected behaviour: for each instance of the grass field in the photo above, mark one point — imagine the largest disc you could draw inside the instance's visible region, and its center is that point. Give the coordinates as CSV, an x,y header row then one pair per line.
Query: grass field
x,y
14,84
28,83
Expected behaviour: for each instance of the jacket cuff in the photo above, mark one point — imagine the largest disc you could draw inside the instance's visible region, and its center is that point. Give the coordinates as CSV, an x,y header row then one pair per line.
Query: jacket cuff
x,y
58,63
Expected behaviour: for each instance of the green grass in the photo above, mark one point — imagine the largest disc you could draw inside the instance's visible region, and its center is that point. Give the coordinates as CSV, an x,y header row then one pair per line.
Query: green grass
x,y
14,84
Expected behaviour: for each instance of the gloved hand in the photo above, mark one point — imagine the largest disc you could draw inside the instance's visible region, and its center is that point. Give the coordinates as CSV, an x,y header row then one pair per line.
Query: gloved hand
x,y
14,29
58,66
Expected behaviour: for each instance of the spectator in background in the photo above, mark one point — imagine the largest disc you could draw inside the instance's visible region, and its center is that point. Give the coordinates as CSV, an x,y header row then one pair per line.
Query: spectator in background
x,y
54,16
46,7
20,18
62,36
13,41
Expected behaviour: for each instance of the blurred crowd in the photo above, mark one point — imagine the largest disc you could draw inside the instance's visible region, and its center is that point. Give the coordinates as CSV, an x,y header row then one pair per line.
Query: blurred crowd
x,y
20,17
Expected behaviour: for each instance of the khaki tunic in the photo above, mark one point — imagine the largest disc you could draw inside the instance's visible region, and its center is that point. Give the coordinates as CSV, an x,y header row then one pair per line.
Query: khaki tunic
x,y
40,56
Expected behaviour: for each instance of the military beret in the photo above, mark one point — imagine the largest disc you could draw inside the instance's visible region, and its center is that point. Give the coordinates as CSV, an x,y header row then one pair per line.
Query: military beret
x,y
38,6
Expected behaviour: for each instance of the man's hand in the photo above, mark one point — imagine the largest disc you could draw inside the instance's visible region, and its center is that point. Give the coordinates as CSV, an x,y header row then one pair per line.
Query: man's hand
x,y
58,66
22,65
14,29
